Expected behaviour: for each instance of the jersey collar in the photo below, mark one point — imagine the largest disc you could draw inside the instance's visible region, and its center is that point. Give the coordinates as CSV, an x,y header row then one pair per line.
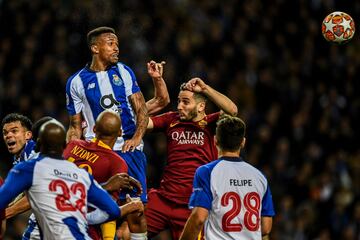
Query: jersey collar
x,y
232,159
100,143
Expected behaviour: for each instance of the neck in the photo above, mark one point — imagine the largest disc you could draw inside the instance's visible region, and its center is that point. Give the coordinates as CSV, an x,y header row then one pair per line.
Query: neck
x,y
229,154
97,65
54,155
199,117
110,141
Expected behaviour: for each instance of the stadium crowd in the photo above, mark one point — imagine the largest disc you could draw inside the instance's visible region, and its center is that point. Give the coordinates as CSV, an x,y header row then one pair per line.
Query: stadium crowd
x,y
297,93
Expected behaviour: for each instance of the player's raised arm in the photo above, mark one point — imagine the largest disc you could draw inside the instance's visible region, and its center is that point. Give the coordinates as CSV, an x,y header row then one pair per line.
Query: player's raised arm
x,y
161,95
74,131
222,101
142,118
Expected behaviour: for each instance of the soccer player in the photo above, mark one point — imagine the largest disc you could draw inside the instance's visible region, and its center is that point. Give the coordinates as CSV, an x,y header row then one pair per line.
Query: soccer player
x,y
230,196
190,144
96,156
17,135
106,83
16,129
58,190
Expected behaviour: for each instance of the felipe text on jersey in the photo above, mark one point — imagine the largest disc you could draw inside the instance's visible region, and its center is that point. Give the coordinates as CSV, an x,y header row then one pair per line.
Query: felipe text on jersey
x,y
240,182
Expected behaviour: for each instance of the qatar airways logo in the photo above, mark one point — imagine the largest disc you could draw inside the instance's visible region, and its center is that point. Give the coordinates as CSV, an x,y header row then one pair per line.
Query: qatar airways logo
x,y
188,137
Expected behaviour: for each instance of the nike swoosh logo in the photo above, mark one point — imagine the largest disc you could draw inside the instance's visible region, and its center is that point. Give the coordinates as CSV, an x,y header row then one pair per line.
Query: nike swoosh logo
x,y
173,124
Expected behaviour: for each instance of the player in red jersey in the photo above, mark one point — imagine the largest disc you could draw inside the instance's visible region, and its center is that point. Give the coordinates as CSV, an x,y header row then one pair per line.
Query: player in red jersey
x,y
190,144
98,159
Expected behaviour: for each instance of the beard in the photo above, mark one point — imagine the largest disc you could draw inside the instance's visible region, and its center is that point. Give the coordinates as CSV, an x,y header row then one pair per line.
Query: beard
x,y
190,116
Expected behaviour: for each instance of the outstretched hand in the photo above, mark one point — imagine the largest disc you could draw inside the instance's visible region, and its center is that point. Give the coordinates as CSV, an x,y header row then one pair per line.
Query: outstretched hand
x,y
155,69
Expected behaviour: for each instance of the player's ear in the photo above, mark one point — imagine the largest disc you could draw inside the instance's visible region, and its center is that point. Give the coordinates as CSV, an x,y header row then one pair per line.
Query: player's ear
x,y
94,129
215,141
28,135
242,144
94,48
201,107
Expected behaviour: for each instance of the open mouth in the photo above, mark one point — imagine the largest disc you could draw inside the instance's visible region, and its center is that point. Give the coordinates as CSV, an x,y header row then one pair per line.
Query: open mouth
x,y
10,143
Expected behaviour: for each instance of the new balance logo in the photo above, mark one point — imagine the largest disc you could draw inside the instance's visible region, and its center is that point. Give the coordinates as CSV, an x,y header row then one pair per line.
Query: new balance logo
x,y
90,86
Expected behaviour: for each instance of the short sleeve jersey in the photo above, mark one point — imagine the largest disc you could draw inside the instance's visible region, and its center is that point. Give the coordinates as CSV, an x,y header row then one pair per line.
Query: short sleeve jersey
x,y
90,93
95,157
189,145
58,192
236,194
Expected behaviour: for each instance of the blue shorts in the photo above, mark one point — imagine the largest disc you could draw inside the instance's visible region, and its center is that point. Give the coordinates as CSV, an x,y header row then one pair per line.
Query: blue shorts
x,y
136,162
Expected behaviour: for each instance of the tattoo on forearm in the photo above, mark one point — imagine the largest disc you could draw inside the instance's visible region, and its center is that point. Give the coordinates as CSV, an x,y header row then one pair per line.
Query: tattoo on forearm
x,y
142,117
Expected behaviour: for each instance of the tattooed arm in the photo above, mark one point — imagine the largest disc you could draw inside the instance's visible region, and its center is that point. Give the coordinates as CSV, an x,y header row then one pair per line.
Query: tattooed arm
x,y
142,118
74,131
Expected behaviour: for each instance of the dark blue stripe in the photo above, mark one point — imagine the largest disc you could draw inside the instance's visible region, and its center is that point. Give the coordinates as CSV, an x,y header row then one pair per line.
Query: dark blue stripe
x,y
71,222
70,106
93,95
29,230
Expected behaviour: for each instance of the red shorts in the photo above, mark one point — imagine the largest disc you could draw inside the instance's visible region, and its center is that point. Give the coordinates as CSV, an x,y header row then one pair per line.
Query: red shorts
x,y
162,214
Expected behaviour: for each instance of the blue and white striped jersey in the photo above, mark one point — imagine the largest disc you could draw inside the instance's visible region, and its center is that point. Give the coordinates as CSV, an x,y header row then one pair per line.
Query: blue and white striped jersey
x,y
58,192
27,153
91,92
236,194
32,230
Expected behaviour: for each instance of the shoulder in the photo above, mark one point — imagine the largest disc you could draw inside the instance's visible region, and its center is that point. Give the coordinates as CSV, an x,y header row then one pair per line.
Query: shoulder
x,y
75,76
207,168
26,166
213,117
77,142
165,119
168,115
255,171
124,66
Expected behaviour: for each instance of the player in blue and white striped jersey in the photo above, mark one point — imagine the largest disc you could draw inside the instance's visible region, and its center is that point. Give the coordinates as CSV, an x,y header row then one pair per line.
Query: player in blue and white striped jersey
x,y
231,199
58,190
106,83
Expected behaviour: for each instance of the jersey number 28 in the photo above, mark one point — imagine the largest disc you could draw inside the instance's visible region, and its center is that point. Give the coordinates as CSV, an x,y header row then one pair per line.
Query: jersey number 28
x,y
251,203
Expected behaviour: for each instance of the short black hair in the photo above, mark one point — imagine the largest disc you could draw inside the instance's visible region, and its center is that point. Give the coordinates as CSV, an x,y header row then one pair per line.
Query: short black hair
x,y
93,34
230,132
36,127
198,96
14,117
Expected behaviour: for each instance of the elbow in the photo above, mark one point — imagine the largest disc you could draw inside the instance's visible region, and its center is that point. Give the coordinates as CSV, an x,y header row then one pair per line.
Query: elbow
x,y
234,111
164,101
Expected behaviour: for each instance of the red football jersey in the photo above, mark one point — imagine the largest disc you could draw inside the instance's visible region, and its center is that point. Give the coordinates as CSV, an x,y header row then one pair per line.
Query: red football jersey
x,y
100,161
96,157
189,145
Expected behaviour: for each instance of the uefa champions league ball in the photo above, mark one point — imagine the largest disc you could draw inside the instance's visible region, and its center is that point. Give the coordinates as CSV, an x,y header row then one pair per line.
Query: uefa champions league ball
x,y
338,27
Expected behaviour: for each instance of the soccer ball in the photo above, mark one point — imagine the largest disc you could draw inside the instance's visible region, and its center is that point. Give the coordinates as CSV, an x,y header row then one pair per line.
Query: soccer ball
x,y
338,27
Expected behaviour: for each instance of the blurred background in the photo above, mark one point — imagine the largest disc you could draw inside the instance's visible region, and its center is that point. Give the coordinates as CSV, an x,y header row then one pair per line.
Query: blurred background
x,y
298,94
